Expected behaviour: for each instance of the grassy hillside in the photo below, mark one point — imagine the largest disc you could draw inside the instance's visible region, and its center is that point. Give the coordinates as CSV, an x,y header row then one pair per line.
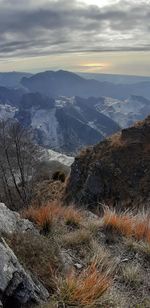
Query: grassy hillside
x,y
88,260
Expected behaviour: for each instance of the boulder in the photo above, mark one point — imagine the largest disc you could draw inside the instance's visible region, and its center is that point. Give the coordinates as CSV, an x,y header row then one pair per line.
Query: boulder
x,y
17,288
12,222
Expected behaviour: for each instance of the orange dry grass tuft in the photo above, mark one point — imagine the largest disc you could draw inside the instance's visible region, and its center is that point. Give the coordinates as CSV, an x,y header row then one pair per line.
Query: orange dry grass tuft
x,y
45,216
85,288
128,225
122,223
142,229
72,215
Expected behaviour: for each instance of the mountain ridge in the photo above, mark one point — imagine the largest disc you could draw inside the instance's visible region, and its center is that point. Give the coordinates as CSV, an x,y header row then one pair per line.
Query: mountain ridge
x,y
64,83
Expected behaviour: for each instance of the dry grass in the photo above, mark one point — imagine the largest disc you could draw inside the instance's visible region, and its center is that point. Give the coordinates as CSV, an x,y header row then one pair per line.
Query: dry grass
x,y
131,274
37,254
116,140
128,225
77,238
72,216
46,216
102,258
94,226
83,289
138,246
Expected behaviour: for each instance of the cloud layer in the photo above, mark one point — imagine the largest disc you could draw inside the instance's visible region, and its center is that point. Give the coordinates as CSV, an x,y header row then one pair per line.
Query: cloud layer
x,y
44,27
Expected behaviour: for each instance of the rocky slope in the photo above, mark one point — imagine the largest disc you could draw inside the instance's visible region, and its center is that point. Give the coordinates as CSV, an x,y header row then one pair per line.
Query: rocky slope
x,y
64,124
115,171
11,96
124,112
17,287
51,155
7,112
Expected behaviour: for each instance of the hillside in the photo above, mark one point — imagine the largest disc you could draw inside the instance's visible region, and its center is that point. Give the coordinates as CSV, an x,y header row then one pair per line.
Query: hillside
x,y
125,112
11,96
115,171
67,257
55,254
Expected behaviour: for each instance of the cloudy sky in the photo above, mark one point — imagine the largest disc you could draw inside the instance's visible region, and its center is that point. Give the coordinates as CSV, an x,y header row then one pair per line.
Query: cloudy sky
x,y
105,36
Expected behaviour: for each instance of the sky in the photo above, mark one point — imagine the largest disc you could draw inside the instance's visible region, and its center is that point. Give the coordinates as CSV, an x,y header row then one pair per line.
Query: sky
x,y
98,36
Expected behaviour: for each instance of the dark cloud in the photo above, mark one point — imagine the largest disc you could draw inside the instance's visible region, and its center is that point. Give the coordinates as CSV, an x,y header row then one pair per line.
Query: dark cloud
x,y
41,27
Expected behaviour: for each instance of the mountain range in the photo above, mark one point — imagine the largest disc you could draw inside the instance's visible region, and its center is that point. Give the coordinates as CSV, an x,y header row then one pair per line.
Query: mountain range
x,y
61,119
64,124
115,78
62,83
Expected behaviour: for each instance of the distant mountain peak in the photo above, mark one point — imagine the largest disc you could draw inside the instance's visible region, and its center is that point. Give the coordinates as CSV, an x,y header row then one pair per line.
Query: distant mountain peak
x,y
65,83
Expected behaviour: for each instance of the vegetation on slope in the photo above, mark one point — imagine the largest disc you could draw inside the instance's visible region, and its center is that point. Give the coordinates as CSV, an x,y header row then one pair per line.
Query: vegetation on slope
x,y
87,260
99,259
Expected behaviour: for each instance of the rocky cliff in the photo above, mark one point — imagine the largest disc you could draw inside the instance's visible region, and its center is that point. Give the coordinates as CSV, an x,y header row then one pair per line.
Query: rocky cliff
x,y
115,171
17,286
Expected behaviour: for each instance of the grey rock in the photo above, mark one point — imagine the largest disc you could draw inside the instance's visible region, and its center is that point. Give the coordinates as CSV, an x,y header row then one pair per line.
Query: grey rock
x,y
67,261
78,266
12,222
91,215
70,261
15,282
94,185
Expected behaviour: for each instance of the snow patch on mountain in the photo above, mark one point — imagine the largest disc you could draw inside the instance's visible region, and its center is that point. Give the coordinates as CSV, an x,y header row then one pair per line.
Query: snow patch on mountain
x,y
62,158
46,122
63,101
124,112
7,112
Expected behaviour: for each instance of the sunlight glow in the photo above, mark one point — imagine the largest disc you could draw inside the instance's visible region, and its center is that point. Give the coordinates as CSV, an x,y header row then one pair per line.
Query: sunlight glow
x,y
95,65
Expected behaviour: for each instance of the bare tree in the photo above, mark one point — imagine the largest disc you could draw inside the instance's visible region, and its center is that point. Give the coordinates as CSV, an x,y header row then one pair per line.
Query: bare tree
x,y
18,158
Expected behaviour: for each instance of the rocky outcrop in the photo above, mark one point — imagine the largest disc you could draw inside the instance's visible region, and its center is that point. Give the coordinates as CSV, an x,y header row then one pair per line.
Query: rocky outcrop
x,y
11,222
16,286
115,171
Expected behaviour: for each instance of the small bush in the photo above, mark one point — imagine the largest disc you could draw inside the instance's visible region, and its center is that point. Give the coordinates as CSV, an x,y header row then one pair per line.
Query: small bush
x,y
46,169
59,176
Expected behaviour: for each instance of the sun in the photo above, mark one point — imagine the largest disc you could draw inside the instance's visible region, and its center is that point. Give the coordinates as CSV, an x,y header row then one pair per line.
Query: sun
x,y
94,67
